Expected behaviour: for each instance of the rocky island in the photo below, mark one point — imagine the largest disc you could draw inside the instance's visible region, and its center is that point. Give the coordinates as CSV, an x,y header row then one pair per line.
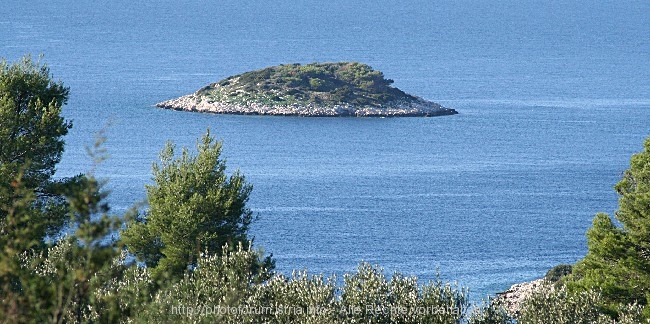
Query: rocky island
x,y
317,89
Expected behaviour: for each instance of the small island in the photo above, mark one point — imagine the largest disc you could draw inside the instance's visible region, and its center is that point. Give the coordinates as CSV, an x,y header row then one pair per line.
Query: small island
x,y
315,90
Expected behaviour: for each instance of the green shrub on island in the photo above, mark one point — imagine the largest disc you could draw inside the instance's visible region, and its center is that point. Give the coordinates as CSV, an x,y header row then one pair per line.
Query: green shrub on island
x,y
327,84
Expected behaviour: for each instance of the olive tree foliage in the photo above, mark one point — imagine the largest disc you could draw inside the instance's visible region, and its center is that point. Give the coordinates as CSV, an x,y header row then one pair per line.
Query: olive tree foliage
x,y
194,207
491,311
555,303
224,280
559,305
222,289
618,258
400,299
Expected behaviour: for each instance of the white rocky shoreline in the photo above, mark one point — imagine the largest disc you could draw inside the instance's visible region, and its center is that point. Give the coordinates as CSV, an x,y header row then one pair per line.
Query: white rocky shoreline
x,y
417,108
513,298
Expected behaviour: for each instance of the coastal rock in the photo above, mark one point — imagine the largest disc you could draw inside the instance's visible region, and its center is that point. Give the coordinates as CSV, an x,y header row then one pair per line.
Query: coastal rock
x,y
315,90
420,108
512,298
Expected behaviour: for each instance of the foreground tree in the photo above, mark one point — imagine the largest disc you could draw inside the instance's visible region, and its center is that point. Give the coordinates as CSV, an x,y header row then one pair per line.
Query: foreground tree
x,y
194,207
31,142
31,127
46,276
57,281
618,259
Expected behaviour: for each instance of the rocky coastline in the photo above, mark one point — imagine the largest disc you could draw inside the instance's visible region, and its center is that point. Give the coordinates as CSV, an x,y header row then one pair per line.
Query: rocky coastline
x,y
513,298
415,108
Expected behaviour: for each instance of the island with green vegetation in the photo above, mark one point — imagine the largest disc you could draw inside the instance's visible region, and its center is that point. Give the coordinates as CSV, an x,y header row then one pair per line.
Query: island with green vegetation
x,y
317,89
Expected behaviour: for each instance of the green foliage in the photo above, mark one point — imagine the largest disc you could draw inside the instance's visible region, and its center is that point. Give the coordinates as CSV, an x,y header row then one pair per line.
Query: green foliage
x,y
31,127
222,289
58,283
45,278
15,239
491,312
322,83
317,84
558,272
300,299
225,280
612,283
194,207
31,144
550,305
364,77
367,297
618,259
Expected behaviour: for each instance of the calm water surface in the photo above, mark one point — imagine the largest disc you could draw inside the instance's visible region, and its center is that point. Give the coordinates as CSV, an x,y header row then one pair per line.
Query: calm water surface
x,y
553,99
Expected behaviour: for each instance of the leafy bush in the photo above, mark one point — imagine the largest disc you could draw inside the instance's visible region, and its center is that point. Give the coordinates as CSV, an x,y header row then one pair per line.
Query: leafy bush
x,y
491,312
222,281
550,305
223,289
317,84
558,272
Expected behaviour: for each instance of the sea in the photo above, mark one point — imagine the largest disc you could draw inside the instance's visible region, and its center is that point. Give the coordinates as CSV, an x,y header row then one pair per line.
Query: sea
x,y
553,99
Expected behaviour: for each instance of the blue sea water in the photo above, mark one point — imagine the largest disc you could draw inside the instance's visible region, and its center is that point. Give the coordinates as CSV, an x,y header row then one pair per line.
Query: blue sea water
x,y
553,100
